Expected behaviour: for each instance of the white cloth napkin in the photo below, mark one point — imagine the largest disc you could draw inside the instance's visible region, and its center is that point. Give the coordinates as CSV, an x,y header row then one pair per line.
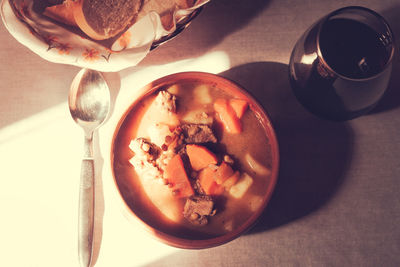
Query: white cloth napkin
x,y
57,44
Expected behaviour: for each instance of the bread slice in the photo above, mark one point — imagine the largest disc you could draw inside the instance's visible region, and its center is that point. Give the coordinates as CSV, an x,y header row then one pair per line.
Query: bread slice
x,y
103,19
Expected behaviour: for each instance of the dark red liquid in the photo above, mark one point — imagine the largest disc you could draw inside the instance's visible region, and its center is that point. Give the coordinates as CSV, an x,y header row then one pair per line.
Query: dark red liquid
x,y
350,74
352,49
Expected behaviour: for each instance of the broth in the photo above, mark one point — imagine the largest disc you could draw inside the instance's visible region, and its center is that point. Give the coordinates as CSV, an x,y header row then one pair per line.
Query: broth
x,y
152,201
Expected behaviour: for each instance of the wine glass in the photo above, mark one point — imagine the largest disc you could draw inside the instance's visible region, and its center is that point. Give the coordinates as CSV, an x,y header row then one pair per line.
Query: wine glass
x,y
340,67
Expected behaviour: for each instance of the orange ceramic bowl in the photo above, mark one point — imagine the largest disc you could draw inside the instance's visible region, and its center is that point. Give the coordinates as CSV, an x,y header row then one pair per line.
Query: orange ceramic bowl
x,y
232,89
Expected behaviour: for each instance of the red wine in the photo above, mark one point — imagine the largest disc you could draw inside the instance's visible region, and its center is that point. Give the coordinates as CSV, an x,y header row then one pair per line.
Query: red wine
x,y
340,69
352,48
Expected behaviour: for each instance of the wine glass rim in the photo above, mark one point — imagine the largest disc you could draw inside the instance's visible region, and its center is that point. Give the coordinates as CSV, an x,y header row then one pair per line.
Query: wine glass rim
x,y
376,15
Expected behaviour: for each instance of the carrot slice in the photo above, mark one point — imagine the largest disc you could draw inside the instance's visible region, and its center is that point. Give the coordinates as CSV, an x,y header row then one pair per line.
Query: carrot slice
x,y
227,116
215,179
239,106
200,157
217,189
223,172
228,183
176,175
207,182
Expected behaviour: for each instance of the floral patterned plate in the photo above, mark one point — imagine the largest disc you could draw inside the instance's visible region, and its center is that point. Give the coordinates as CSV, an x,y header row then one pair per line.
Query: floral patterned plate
x,y
59,44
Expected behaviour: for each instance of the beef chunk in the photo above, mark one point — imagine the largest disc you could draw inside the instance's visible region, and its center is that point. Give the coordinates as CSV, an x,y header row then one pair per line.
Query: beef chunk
x,y
198,208
198,133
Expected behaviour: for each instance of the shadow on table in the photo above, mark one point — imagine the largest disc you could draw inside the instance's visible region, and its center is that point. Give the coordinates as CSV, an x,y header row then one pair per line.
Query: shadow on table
x,y
217,20
391,99
223,17
314,153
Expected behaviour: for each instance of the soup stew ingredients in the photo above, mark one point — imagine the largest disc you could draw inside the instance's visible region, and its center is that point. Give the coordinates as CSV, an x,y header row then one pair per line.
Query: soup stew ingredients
x,y
199,160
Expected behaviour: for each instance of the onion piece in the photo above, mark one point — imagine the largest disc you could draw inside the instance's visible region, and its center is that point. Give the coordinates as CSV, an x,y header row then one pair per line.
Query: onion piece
x,y
256,166
240,188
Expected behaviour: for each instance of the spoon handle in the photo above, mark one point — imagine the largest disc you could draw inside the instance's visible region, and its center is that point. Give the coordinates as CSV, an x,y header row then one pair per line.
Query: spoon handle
x,y
86,206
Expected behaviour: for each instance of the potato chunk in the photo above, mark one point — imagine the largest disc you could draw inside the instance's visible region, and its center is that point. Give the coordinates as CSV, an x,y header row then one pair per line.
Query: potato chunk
x,y
240,188
158,132
197,117
202,94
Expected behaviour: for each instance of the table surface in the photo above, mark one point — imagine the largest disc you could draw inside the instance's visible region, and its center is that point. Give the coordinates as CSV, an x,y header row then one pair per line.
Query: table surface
x,y
337,200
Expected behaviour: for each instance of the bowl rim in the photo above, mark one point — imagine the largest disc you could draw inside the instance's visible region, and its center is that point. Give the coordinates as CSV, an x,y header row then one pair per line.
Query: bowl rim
x,y
235,90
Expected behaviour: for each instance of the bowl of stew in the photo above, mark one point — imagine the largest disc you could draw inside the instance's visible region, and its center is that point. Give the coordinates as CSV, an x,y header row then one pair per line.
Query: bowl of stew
x,y
195,160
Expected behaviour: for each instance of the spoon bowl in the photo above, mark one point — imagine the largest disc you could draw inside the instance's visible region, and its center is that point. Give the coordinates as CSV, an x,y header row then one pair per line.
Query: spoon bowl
x,y
89,104
89,99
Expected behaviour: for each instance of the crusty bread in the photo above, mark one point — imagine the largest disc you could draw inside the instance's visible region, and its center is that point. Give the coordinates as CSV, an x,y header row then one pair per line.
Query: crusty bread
x,y
103,19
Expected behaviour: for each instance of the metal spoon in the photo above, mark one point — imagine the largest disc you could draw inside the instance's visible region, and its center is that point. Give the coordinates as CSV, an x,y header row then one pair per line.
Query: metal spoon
x,y
89,103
